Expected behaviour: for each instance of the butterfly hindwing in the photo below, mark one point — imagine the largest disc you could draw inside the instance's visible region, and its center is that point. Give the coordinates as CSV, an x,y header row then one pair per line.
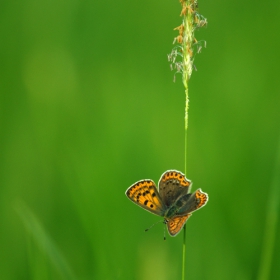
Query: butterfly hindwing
x,y
172,185
175,224
144,193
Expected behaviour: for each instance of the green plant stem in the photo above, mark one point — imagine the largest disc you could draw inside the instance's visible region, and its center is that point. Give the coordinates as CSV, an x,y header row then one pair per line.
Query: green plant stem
x,y
191,21
186,144
271,223
184,253
187,71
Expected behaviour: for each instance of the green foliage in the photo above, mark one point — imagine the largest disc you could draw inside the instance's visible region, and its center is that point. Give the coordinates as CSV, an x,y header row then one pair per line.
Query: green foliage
x,y
88,106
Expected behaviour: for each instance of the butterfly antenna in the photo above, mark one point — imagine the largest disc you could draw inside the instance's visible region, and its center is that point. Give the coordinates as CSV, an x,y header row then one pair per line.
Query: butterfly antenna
x,y
152,225
164,236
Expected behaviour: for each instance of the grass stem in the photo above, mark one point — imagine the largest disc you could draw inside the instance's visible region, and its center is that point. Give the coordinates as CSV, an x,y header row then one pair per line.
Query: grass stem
x,y
181,58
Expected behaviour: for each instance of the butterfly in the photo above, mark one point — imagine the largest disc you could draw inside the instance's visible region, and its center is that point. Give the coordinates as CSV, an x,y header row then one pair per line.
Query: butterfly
x,y
172,201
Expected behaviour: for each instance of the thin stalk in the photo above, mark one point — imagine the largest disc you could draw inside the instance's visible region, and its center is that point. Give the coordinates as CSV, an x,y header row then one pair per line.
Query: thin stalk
x,y
188,39
181,59
186,145
184,253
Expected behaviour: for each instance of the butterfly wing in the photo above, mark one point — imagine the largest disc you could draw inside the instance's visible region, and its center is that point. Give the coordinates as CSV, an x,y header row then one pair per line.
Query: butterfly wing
x,y
172,185
144,193
192,202
175,224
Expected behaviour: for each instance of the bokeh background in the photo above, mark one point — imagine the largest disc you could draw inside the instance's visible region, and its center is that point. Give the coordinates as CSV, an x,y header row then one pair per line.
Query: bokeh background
x,y
88,106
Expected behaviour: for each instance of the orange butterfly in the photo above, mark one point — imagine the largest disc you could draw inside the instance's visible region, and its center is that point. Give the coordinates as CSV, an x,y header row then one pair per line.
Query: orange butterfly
x,y
173,201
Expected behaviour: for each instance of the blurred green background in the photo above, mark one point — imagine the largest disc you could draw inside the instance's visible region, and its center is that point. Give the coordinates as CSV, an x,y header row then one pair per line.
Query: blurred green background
x,y
88,106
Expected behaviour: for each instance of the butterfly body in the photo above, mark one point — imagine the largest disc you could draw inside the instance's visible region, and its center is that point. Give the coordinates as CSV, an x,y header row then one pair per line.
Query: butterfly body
x,y
173,201
177,207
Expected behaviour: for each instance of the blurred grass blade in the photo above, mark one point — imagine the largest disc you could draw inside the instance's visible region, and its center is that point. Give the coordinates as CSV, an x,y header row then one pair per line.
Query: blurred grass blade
x,y
44,241
271,222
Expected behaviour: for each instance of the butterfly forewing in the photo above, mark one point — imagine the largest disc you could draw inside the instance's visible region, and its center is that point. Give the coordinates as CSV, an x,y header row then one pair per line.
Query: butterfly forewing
x,y
144,193
175,224
172,185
